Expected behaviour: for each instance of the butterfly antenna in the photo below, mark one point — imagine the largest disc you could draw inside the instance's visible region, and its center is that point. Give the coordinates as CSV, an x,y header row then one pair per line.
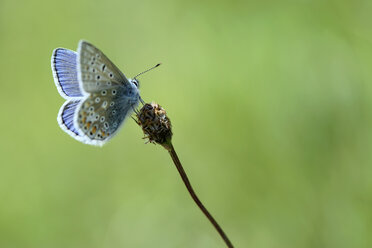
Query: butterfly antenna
x,y
147,70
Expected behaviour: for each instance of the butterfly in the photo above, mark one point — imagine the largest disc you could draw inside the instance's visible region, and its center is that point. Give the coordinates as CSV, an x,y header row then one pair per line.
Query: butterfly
x,y
98,95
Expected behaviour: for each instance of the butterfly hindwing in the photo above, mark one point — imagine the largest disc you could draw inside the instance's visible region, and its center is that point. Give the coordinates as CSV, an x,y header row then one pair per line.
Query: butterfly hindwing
x,y
102,113
96,71
64,67
66,118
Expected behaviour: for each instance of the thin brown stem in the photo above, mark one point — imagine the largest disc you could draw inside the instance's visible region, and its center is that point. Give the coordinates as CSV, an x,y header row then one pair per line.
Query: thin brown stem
x,y
185,179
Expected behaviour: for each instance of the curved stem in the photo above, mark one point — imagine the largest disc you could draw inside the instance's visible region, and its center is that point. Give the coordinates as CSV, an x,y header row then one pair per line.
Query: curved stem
x,y
186,181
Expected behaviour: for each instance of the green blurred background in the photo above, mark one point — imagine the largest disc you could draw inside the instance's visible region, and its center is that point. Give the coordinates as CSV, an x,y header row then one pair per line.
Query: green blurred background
x,y
271,107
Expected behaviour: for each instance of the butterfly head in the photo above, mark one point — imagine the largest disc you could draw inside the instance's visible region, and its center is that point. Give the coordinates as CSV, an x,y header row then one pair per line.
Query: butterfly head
x,y
135,82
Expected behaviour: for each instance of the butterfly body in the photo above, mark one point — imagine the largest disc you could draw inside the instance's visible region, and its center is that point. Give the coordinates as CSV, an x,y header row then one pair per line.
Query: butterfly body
x,y
99,96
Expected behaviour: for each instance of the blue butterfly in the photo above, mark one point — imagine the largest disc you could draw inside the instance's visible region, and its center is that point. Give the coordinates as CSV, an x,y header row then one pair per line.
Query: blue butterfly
x,y
98,95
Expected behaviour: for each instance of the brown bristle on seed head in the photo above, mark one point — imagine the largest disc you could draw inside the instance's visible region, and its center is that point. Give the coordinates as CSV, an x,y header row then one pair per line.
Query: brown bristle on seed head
x,y
155,124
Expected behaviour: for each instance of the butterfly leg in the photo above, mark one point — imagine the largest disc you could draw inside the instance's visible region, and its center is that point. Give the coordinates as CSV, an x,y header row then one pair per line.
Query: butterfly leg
x,y
135,110
135,120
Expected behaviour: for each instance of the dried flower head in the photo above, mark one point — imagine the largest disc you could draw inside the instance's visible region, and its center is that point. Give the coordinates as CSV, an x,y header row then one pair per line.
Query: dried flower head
x,y
155,124
157,128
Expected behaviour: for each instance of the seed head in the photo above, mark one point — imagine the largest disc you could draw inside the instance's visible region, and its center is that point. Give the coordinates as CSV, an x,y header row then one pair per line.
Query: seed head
x,y
155,124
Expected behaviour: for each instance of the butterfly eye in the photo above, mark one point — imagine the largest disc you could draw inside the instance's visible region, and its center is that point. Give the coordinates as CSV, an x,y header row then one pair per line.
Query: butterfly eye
x,y
135,83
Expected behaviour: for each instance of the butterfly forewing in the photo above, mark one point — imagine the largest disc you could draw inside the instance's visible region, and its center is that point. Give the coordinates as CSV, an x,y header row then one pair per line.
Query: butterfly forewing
x,y
65,73
96,71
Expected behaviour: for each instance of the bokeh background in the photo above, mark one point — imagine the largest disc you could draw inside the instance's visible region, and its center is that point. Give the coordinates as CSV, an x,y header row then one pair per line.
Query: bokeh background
x,y
271,107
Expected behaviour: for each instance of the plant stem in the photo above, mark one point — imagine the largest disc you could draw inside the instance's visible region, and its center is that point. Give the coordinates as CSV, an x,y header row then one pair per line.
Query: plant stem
x,y
186,181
